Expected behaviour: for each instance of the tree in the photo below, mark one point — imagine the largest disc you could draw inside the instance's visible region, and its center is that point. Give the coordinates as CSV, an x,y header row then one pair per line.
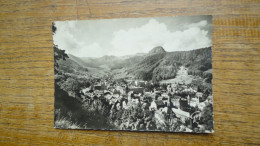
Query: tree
x,y
58,53
207,117
54,28
71,86
164,86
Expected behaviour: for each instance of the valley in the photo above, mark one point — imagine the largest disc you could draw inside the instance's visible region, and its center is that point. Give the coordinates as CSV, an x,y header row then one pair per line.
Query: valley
x,y
156,66
159,90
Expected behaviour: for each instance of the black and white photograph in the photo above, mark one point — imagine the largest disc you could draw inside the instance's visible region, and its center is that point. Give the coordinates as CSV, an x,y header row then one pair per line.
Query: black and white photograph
x,y
134,74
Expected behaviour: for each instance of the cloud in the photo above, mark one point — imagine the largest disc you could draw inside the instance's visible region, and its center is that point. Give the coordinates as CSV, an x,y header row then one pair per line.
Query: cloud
x,y
64,38
200,24
153,33
119,38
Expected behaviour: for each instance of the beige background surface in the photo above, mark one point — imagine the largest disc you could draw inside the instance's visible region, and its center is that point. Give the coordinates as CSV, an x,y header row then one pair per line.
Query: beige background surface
x,y
27,75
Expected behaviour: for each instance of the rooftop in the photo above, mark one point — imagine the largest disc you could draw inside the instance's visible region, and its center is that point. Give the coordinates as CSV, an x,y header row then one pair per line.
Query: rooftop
x,y
181,112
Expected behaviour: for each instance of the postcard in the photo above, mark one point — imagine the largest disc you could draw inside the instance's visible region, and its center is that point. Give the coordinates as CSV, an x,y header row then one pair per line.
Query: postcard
x,y
134,74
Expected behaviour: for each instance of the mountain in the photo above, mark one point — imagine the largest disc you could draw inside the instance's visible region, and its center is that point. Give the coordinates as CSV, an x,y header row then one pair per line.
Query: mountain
x,y
113,62
156,65
157,50
144,68
98,62
77,60
119,62
159,65
73,64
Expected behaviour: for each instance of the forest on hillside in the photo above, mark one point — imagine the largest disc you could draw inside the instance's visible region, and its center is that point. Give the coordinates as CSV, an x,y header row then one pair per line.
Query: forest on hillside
x,y
164,65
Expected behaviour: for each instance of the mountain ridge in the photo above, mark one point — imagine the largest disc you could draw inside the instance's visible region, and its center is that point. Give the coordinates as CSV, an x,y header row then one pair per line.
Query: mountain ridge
x,y
161,66
156,65
156,50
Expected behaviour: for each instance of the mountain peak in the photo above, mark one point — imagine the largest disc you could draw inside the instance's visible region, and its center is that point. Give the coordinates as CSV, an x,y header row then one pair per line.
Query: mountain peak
x,y
156,50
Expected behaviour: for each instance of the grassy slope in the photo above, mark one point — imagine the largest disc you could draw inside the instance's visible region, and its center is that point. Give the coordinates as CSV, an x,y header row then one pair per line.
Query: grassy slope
x,y
72,113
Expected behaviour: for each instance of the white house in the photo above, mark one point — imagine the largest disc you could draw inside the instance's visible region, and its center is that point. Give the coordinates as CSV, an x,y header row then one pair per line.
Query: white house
x,y
153,106
125,105
202,105
176,101
194,102
181,114
210,99
85,90
157,105
169,89
164,110
199,94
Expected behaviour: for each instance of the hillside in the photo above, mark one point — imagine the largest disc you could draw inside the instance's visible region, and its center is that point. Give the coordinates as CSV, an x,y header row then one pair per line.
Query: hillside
x,y
72,65
156,65
144,69
162,65
112,62
77,60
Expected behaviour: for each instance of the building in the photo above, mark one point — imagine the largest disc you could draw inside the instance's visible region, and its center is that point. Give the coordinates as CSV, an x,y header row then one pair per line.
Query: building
x,y
199,95
135,100
169,89
108,95
84,91
103,86
181,114
122,90
184,86
160,104
176,101
210,99
174,87
137,90
166,98
157,105
159,98
188,98
97,87
165,95
164,110
130,95
98,93
140,83
153,106
195,88
202,105
189,90
116,96
166,101
194,102
124,104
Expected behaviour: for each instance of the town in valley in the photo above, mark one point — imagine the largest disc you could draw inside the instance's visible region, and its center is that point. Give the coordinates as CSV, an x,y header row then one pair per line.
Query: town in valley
x,y
143,105
182,102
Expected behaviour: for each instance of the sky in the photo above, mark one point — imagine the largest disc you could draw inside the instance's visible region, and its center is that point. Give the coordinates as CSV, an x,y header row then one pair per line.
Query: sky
x,y
128,36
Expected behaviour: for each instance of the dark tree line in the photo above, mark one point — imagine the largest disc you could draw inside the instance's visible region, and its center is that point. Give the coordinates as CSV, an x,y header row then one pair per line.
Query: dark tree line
x,y
58,53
